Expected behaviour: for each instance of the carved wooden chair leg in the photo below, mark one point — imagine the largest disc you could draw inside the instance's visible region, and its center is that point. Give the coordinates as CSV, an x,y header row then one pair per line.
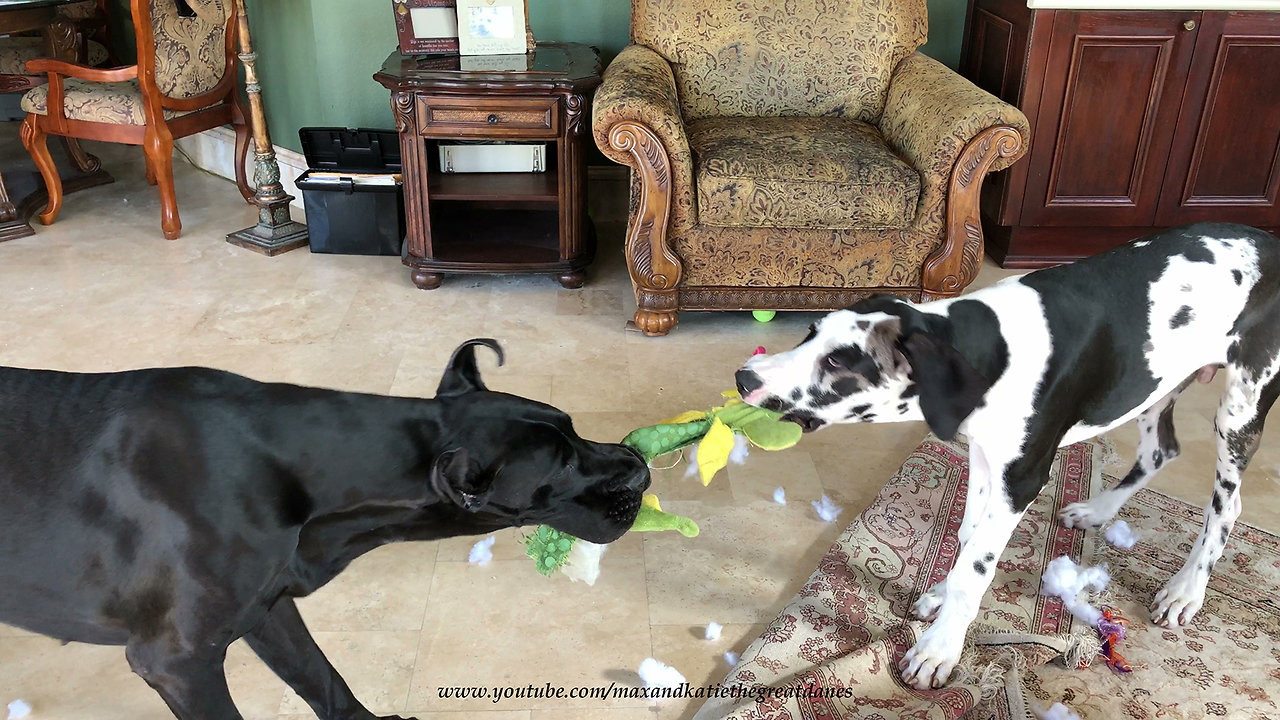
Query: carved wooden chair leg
x,y
151,173
158,146
241,126
656,314
35,140
85,162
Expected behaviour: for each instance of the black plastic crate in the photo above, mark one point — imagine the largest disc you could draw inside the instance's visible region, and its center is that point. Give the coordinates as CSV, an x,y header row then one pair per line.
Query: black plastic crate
x,y
353,196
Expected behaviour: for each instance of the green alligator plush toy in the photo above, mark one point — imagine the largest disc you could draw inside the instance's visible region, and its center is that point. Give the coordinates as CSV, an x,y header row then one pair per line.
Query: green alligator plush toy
x,y
713,431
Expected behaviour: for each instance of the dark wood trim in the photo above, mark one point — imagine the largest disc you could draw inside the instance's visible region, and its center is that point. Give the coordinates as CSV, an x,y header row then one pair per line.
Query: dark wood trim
x,y
655,269
701,297
956,262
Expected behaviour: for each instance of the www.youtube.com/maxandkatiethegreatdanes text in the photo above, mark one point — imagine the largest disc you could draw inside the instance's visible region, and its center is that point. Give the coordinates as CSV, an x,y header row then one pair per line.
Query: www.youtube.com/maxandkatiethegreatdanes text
x,y
497,694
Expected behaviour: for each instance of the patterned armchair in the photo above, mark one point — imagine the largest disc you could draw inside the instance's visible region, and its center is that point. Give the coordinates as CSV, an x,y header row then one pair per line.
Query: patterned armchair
x,y
796,155
186,81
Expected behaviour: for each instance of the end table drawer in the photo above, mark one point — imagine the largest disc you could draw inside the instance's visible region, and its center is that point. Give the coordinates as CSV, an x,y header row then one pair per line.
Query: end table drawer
x,y
488,116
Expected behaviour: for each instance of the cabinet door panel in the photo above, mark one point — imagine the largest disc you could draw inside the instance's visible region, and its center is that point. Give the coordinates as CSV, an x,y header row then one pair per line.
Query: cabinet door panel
x,y
1226,151
1112,91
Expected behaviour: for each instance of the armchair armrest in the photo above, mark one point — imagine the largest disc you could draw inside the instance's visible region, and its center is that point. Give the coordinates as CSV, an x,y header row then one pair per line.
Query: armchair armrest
x,y
636,120
81,72
953,133
932,112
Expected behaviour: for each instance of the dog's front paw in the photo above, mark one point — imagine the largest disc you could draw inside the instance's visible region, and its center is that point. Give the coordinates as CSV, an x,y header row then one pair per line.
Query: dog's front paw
x,y
930,662
926,607
1082,515
1180,600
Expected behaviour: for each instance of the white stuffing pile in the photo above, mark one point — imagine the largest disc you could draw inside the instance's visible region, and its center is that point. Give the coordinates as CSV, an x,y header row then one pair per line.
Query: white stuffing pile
x,y
1121,535
583,562
1065,579
780,496
826,509
713,630
731,657
482,552
1059,712
655,674
738,455
19,709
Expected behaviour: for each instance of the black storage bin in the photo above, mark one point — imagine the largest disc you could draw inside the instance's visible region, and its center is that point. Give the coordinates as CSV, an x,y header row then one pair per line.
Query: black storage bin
x,y
352,192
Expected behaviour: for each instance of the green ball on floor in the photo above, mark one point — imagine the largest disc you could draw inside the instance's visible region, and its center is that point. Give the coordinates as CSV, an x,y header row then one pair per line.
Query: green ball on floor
x,y
763,315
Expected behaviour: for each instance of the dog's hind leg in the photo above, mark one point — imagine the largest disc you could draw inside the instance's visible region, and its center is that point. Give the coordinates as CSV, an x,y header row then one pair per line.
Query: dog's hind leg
x,y
286,646
1251,391
194,686
1157,446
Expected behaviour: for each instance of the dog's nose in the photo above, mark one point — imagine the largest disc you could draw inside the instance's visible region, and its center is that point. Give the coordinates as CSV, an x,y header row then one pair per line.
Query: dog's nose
x,y
748,382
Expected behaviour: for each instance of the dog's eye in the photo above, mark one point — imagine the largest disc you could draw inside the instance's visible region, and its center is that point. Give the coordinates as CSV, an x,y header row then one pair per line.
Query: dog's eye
x,y
832,361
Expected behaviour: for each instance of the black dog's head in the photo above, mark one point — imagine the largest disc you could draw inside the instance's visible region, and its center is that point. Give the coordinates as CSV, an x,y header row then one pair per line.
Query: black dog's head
x,y
878,361
514,461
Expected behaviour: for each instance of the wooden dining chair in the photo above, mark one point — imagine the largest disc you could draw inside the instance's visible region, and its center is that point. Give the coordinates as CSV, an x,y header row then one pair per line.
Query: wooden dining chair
x,y
185,82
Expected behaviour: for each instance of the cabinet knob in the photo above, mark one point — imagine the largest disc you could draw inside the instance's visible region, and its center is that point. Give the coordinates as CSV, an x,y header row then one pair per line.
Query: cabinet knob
x,y
493,119
1189,25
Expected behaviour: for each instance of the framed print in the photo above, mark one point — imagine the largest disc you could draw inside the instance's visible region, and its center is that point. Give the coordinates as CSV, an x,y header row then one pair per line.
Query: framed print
x,y
426,26
492,27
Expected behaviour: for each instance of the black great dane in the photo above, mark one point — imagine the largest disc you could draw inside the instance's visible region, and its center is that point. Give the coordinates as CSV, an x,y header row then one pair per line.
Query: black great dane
x,y
173,511
1045,360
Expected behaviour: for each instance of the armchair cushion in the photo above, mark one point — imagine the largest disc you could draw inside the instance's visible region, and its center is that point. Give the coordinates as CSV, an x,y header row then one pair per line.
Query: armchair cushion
x,y
793,172
16,51
190,51
118,103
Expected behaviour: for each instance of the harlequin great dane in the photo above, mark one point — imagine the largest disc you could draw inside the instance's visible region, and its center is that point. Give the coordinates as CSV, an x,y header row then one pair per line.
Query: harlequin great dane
x,y
1044,360
175,510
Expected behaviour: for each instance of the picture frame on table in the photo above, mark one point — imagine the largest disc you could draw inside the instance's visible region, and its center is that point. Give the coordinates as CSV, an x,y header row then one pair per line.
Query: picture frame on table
x,y
493,27
427,27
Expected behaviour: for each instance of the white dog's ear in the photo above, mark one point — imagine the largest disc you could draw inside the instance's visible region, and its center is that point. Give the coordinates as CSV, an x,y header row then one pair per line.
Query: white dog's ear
x,y
950,388
458,479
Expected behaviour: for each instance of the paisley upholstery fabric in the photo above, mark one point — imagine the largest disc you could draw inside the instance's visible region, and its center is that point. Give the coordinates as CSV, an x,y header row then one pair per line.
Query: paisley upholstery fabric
x,y
16,51
191,55
931,114
781,57
791,172
638,87
118,103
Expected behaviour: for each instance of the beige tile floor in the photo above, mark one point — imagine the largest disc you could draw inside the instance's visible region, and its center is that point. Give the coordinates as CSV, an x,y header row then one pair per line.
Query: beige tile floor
x,y
102,290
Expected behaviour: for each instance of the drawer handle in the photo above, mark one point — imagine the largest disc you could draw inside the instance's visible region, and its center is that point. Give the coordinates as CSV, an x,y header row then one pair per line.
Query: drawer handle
x,y
493,119
1189,25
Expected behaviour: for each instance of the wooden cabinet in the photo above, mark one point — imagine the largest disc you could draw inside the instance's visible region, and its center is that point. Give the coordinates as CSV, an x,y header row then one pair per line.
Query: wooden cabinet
x,y
1140,120
495,222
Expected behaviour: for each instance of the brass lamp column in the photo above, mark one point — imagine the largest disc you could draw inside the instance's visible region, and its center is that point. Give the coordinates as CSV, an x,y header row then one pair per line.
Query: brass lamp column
x,y
276,232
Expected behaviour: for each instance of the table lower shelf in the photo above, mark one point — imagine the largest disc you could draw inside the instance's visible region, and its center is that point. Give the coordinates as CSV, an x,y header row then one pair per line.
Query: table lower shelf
x,y
480,239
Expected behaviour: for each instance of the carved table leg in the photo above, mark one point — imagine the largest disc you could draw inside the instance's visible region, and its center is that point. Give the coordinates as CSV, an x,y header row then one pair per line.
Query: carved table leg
x,y
427,280
84,161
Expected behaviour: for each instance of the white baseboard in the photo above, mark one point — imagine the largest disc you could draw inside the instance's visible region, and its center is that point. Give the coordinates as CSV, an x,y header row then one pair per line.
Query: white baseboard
x,y
214,151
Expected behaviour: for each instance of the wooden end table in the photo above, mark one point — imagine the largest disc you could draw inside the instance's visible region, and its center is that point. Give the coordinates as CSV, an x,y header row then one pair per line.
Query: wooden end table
x,y
495,222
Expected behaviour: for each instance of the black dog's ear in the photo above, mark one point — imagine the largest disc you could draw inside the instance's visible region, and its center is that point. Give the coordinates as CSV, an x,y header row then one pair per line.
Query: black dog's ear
x,y
950,388
457,478
462,376
883,345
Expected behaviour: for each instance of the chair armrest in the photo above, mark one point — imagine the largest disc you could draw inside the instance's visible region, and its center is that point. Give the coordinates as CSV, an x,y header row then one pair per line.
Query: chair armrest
x,y
932,113
81,72
636,121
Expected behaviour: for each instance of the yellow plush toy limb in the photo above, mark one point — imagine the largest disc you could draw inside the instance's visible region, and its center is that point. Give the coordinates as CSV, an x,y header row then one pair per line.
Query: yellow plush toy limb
x,y
651,518
713,451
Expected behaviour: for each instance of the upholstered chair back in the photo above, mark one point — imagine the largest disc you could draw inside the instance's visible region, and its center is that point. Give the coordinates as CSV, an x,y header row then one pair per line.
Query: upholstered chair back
x,y
190,44
771,58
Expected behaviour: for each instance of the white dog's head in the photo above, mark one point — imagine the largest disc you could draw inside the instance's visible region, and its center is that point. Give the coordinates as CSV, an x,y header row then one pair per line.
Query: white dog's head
x,y
880,361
